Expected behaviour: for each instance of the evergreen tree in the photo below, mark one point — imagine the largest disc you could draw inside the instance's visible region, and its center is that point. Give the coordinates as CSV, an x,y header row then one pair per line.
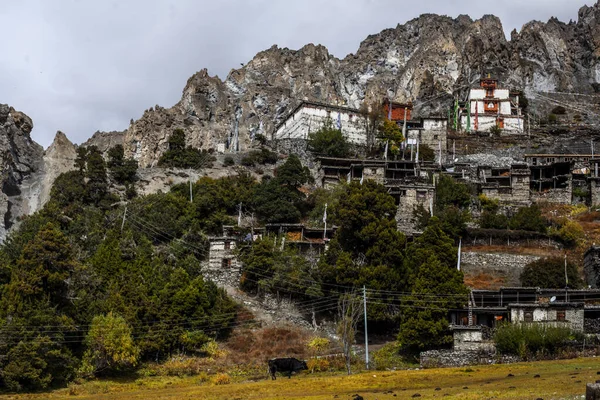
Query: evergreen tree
x,y
32,355
123,170
328,141
549,273
436,287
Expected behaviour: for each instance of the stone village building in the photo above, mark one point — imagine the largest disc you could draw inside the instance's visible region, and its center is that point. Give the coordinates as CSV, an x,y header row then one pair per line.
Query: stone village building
x,y
490,106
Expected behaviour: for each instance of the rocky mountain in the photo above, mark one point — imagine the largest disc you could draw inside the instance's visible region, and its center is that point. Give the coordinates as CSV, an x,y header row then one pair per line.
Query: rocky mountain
x,y
428,61
20,157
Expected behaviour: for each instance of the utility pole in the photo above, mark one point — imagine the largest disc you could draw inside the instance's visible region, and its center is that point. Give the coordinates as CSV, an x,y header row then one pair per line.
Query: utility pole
x,y
592,148
366,334
191,192
124,215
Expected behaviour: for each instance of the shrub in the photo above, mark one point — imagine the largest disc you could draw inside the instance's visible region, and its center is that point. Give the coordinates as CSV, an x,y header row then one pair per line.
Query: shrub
x,y
528,219
559,110
570,233
328,141
549,273
180,156
212,350
388,357
495,130
221,379
533,340
319,345
260,138
180,367
491,220
110,346
262,156
318,365
426,153
228,161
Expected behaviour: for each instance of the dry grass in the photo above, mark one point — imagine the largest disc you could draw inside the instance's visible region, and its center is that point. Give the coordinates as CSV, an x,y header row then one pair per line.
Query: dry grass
x,y
484,281
557,380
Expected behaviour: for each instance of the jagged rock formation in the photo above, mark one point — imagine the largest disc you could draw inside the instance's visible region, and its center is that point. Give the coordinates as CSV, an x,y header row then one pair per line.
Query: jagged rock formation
x,y
20,157
105,140
427,60
59,157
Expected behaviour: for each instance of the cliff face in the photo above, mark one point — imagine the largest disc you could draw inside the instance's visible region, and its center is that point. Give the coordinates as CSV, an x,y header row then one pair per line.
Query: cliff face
x,y
20,157
427,60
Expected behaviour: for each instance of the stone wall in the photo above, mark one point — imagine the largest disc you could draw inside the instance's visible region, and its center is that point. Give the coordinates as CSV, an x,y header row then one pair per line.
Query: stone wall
x,y
451,358
594,189
591,267
223,277
411,197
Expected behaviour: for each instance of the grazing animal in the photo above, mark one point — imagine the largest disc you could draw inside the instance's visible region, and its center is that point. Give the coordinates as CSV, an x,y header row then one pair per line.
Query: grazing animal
x,y
288,365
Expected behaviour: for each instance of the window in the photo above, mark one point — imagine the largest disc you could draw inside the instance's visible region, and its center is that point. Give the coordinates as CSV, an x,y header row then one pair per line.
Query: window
x,y
436,136
421,194
528,316
227,245
226,263
560,315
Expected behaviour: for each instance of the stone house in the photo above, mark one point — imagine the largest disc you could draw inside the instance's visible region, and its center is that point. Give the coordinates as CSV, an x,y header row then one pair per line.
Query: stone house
x,y
491,106
309,117
507,185
552,182
568,315
471,338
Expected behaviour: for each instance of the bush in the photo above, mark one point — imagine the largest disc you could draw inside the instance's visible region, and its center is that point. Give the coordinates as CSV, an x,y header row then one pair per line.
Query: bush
x,y
559,110
319,345
261,157
388,357
549,273
495,130
221,379
528,219
228,161
110,346
180,156
533,340
318,365
570,233
426,153
181,367
328,141
490,220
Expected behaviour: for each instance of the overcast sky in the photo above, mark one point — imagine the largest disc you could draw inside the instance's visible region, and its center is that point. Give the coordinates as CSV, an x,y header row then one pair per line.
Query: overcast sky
x,y
85,65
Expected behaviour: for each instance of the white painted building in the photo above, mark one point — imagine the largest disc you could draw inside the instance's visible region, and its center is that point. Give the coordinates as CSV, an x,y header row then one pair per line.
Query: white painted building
x,y
569,315
490,106
310,117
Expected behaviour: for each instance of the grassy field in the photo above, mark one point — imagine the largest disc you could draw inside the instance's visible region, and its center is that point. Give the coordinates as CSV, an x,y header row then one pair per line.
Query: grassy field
x,y
547,380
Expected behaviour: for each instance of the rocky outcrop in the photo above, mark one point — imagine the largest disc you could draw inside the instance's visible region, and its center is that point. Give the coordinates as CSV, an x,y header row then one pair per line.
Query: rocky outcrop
x,y
428,60
104,141
20,157
58,158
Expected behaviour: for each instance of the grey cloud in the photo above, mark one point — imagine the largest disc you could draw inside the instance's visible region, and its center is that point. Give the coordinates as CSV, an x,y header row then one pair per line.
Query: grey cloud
x,y
82,66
